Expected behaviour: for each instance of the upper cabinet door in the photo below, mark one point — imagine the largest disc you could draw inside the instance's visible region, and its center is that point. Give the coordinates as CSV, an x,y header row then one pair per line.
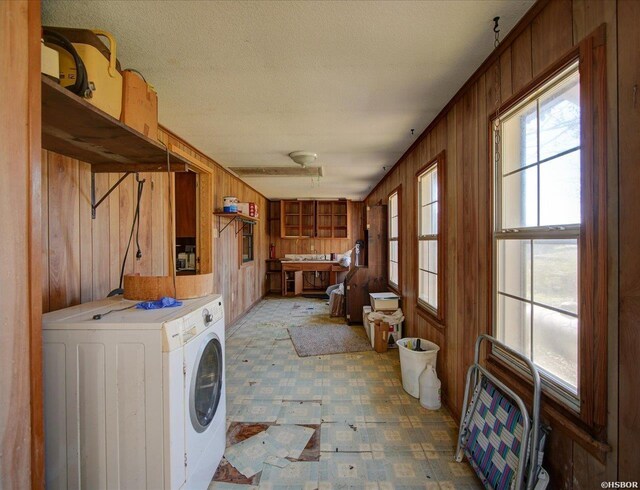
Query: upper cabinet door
x,y
314,219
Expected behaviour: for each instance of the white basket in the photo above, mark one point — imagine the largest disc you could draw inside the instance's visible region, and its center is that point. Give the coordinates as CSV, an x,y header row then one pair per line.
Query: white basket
x,y
412,363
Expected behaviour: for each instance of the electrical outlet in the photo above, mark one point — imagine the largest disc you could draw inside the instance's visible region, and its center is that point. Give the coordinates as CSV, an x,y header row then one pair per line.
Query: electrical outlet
x,y
313,248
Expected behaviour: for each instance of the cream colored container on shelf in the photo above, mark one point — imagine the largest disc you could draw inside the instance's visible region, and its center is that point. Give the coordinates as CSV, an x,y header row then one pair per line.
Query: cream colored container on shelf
x,y
105,81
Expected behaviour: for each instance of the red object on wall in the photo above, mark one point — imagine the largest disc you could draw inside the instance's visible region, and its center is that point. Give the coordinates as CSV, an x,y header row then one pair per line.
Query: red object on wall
x,y
272,251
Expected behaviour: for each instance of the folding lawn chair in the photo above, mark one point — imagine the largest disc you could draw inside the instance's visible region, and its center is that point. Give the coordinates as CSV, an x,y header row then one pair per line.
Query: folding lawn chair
x,y
503,444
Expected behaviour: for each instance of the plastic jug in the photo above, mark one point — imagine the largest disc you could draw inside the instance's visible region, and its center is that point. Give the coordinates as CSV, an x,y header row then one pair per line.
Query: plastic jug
x,y
429,388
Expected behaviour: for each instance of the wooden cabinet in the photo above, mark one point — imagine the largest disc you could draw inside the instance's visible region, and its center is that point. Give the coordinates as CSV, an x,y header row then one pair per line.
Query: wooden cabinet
x,y
297,219
372,277
332,219
185,204
314,219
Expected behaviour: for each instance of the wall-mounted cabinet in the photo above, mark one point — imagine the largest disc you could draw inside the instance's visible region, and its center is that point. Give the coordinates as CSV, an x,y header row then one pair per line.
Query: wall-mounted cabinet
x,y
314,219
297,219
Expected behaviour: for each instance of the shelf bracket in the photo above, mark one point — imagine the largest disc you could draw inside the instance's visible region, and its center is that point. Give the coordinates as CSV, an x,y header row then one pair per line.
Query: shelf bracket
x,y
244,223
94,204
220,230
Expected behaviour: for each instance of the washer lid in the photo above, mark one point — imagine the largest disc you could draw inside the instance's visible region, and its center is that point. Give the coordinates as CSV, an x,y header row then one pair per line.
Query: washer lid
x,y
81,316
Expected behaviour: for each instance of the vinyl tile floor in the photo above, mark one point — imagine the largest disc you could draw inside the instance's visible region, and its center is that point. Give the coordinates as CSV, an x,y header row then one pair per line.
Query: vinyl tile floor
x,y
373,435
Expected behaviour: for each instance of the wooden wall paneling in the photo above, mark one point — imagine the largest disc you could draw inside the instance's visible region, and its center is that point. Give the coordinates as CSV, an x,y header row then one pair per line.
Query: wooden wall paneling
x,y
159,227
114,234
127,203
629,240
64,233
551,34
506,75
521,69
470,216
449,376
21,429
145,264
100,237
461,273
44,201
85,238
558,460
484,209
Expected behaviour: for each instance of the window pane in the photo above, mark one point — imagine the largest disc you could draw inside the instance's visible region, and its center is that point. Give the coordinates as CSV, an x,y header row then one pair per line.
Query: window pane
x,y
432,256
393,251
514,267
560,118
394,228
555,344
425,189
433,291
424,283
423,254
393,273
393,205
519,139
434,184
520,199
514,324
555,273
560,190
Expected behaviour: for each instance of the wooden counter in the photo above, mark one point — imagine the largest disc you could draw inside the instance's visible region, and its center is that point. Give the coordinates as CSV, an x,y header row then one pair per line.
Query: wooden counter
x,y
292,274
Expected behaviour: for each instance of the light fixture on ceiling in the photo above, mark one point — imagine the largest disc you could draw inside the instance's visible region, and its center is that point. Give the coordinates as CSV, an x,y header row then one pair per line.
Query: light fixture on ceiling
x,y
303,158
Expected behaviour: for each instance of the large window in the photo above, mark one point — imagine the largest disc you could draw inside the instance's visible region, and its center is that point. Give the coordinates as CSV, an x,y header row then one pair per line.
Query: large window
x,y
430,220
394,234
537,234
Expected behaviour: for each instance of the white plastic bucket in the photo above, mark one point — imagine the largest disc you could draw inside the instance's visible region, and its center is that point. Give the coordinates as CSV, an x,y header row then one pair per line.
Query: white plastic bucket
x,y
412,363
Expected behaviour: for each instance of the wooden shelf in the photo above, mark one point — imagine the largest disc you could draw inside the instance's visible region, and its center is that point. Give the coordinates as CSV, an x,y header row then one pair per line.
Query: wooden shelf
x,y
236,216
73,127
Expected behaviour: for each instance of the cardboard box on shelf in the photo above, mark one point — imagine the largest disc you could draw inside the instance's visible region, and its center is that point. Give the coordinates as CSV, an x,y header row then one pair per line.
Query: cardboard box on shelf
x,y
139,105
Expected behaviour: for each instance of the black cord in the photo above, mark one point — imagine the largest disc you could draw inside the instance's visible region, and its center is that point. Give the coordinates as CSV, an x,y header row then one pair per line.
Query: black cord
x,y
135,225
100,315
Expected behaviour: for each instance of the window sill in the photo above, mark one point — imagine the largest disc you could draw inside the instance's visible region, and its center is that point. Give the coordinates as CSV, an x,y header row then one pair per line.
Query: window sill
x,y
244,265
428,315
565,419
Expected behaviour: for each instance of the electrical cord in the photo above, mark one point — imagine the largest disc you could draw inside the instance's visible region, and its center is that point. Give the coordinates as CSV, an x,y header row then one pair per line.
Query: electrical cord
x,y
135,226
101,315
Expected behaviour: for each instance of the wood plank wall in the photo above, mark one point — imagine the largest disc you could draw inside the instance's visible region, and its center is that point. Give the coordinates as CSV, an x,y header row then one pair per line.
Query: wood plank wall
x,y
82,257
21,421
316,245
553,27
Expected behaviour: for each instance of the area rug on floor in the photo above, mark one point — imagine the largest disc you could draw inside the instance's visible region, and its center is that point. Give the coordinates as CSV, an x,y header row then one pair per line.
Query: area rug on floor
x,y
317,340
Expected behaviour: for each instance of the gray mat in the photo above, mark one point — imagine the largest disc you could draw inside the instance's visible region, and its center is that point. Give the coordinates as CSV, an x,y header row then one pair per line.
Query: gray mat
x,y
328,339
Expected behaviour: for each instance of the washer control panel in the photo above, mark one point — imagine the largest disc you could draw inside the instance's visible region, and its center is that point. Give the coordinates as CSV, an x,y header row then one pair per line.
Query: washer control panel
x,y
198,321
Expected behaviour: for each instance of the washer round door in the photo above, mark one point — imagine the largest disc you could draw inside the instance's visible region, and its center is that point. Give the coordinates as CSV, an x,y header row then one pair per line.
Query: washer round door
x,y
206,383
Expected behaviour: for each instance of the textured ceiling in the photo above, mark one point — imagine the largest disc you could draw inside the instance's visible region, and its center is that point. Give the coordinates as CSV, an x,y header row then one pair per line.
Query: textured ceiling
x,y
249,82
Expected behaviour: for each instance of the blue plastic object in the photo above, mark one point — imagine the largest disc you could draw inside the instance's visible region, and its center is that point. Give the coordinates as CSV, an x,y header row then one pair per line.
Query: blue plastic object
x,y
165,302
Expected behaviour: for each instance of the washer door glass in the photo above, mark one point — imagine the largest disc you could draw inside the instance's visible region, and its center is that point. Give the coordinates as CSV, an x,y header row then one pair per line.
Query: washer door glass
x,y
206,385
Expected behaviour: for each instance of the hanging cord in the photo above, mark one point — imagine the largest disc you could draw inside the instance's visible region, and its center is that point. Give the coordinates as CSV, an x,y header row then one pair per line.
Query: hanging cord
x,y
135,226
498,89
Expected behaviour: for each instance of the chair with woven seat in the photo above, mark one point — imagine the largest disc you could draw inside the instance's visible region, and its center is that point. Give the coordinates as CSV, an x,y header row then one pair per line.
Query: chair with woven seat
x,y
503,444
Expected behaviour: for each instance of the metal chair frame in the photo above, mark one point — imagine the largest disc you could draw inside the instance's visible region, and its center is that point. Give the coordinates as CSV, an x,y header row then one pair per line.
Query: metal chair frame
x,y
530,425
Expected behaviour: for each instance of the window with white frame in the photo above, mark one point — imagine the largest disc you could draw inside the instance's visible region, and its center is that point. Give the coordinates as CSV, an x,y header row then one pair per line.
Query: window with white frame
x,y
394,233
428,238
537,233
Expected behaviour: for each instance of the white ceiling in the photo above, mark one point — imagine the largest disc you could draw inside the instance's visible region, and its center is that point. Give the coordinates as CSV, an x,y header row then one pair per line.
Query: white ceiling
x,y
248,82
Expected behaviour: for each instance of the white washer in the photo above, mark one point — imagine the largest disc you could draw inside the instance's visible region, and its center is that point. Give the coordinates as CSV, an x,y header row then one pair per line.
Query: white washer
x,y
136,398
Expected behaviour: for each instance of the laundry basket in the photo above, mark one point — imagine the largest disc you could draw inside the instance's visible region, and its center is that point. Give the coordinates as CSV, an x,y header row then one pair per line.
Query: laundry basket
x,y
412,362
